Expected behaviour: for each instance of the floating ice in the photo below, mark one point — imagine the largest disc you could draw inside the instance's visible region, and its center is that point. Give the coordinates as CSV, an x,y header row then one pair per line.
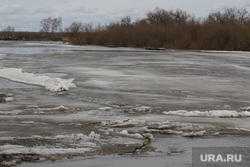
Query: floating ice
x,y
142,109
94,135
18,149
133,135
72,137
13,112
8,99
194,134
52,84
216,134
105,108
239,129
178,128
246,108
125,133
212,113
124,123
148,136
60,108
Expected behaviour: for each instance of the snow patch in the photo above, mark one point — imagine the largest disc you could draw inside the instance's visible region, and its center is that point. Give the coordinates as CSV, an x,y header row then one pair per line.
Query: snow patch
x,y
52,84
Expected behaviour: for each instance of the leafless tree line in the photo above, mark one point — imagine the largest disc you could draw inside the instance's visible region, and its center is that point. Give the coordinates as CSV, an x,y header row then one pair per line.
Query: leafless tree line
x,y
226,30
177,29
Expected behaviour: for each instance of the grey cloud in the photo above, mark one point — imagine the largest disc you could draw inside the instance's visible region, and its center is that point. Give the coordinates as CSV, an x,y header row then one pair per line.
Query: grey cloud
x,y
44,10
102,16
219,7
84,10
11,9
247,5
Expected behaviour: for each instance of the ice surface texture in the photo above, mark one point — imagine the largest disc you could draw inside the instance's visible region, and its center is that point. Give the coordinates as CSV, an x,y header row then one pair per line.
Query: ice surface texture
x,y
52,84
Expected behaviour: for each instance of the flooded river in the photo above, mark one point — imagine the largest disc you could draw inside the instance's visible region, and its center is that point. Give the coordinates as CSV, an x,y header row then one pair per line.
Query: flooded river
x,y
115,106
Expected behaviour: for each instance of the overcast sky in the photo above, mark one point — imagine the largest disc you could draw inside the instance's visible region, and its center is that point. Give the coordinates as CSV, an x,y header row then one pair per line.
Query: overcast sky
x,y
26,14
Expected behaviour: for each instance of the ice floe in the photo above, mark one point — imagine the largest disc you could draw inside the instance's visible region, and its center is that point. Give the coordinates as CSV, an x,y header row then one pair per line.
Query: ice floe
x,y
239,129
94,135
194,134
245,108
59,108
13,112
130,134
143,109
178,128
59,144
52,84
9,99
212,113
133,135
19,149
124,123
46,109
105,108
6,97
138,128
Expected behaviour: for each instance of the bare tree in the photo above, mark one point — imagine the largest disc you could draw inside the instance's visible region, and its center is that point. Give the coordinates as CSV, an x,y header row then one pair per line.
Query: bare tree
x,y
99,27
55,25
180,16
88,27
8,31
74,28
230,16
50,25
215,17
242,16
164,17
45,24
159,17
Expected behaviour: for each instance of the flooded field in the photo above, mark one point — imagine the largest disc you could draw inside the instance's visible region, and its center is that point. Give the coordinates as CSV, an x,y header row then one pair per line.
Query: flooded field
x,y
115,106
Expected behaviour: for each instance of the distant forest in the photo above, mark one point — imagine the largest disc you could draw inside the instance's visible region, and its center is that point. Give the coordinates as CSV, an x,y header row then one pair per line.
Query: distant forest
x,y
170,29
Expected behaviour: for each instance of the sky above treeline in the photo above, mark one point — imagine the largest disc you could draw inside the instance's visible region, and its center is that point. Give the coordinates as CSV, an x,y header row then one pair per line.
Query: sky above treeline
x,y
25,15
